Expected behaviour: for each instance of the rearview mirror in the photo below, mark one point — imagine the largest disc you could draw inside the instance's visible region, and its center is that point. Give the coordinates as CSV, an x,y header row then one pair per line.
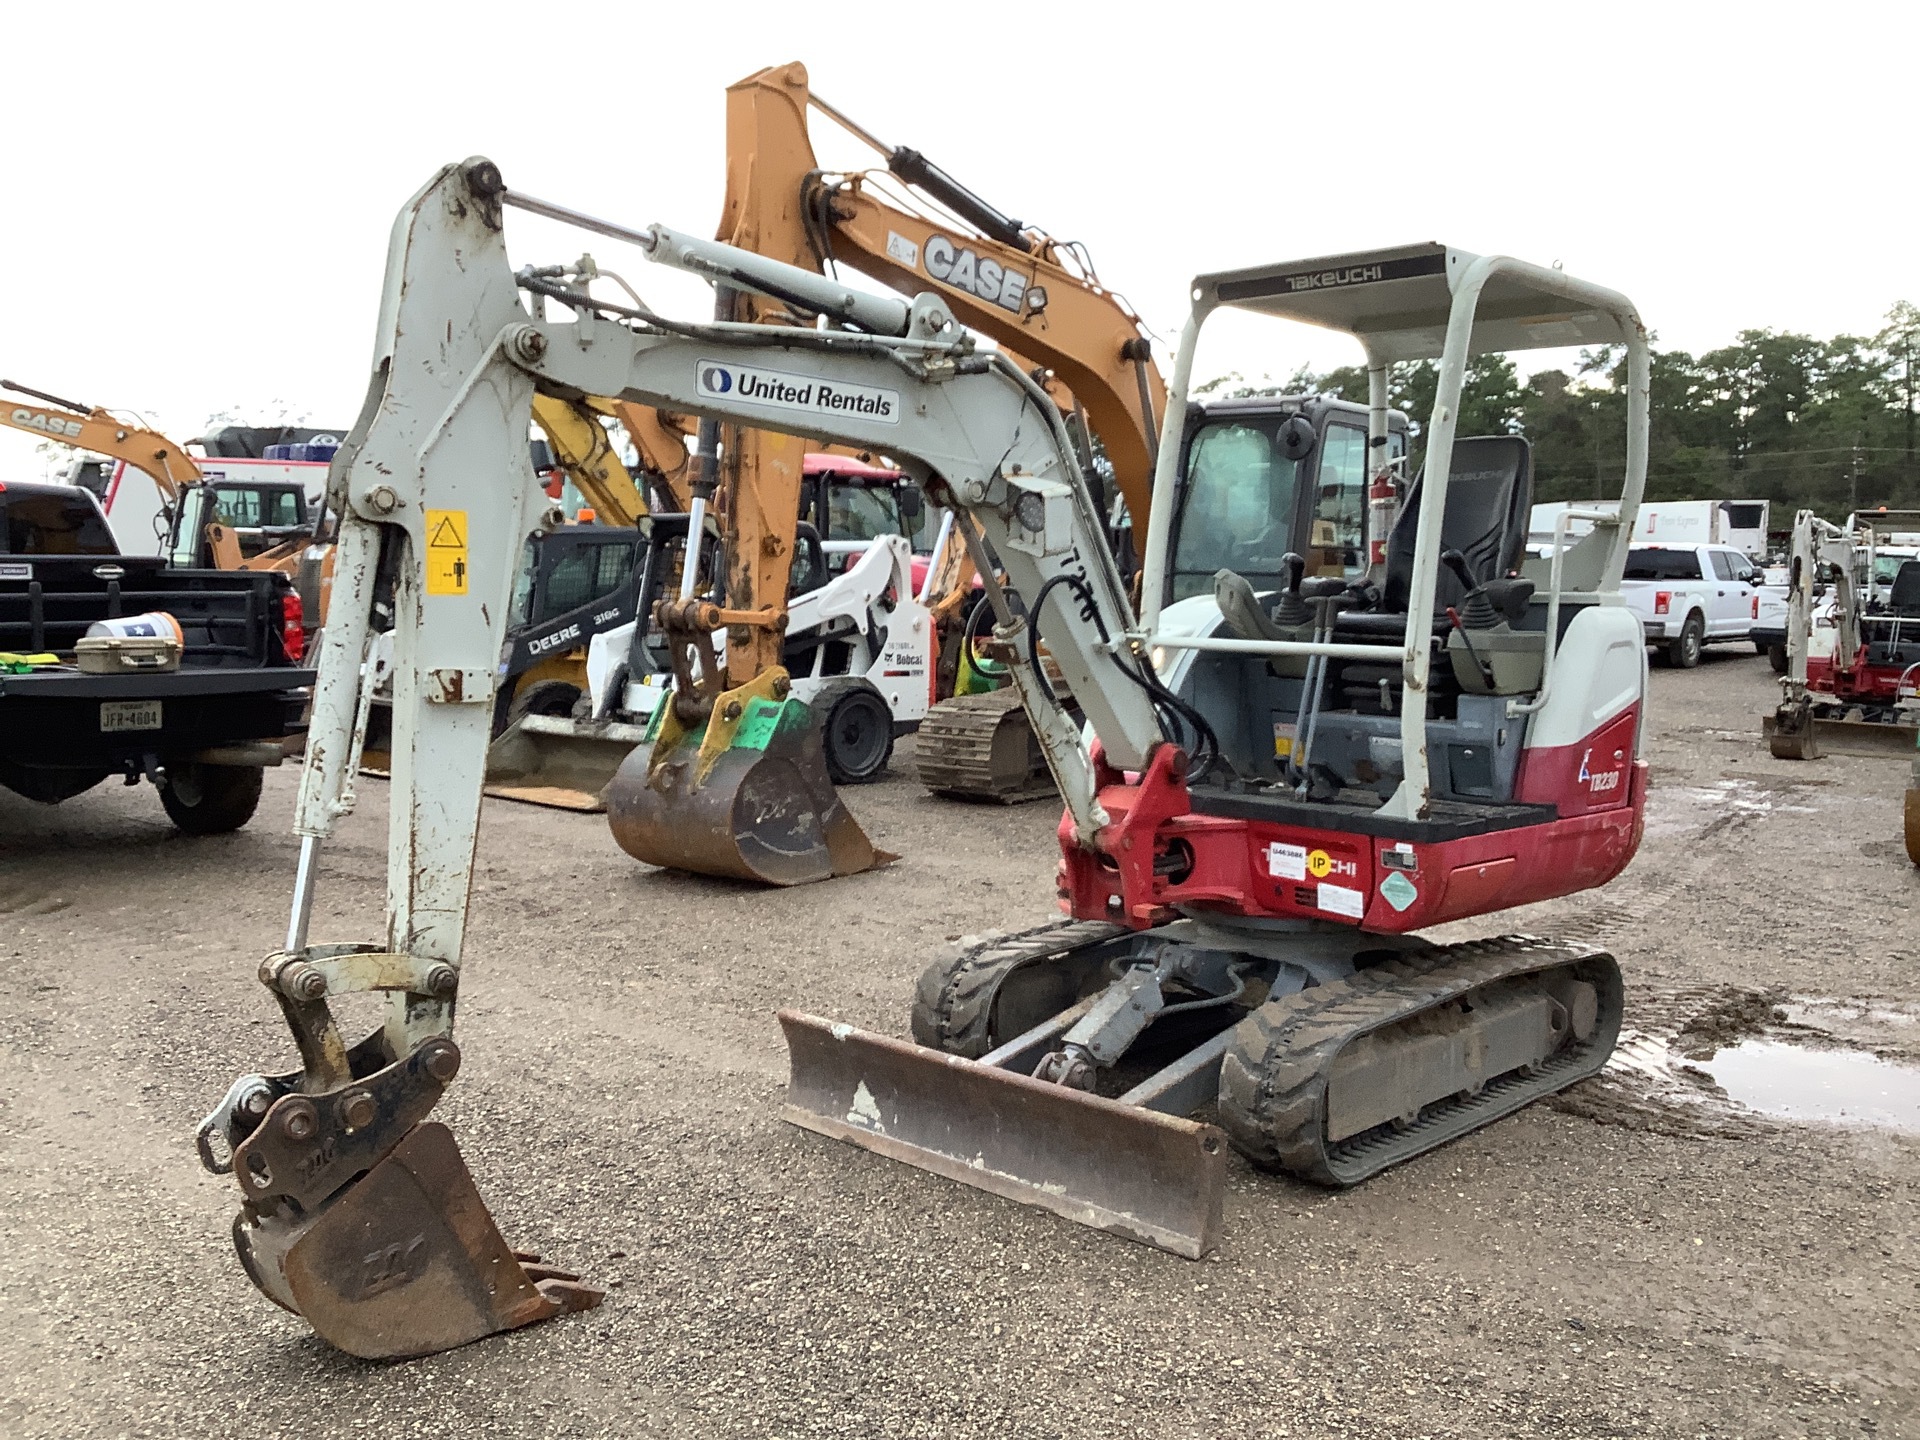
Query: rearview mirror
x,y
1296,438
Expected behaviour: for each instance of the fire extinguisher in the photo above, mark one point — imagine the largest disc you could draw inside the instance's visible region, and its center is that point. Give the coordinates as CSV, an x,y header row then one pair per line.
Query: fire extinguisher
x,y
1383,509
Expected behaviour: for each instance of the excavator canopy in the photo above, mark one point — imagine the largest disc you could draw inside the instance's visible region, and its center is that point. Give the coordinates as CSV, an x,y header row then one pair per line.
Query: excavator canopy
x,y
1397,301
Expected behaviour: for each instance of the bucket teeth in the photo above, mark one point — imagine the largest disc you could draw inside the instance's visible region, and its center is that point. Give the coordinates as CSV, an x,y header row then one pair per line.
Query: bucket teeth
x,y
404,1261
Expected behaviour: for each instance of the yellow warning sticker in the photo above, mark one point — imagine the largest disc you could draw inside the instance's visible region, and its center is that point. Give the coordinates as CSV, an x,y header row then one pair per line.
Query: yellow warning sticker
x,y
446,552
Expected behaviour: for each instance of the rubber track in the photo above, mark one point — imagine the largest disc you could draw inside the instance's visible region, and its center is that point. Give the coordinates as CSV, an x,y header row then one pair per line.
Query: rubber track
x,y
954,749
953,1002
1273,1079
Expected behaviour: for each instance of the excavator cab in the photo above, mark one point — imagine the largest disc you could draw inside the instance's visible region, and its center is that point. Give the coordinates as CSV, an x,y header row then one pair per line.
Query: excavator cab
x,y
1262,478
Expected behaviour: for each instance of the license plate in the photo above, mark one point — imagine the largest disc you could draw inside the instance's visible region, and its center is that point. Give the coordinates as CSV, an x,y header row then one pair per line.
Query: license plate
x,y
129,715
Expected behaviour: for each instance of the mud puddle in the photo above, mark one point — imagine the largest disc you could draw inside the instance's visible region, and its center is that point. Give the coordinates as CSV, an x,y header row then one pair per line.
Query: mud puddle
x,y
1651,1078
1727,804
1835,1087
1728,1060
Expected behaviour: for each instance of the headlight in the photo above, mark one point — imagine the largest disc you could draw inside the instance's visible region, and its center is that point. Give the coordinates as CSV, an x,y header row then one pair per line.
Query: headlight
x,y
1031,511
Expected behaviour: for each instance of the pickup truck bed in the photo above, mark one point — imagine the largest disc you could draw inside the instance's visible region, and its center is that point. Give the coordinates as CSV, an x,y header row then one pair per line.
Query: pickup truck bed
x,y
201,732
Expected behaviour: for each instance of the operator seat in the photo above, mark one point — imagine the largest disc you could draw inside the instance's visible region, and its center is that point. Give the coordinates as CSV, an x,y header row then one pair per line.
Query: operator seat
x,y
1889,643
1904,600
1489,503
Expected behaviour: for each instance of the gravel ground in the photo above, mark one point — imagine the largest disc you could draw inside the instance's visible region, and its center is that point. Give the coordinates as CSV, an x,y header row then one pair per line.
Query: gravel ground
x,y
1637,1258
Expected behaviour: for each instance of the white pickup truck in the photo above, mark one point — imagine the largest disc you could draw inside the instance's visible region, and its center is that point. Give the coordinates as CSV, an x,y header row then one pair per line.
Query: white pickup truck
x,y
1691,596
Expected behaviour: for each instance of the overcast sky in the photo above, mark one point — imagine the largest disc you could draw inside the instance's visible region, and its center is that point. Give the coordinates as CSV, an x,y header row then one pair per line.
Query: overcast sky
x,y
199,194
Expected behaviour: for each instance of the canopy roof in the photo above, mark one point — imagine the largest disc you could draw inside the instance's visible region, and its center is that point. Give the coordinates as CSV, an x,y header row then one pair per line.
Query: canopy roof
x,y
1397,301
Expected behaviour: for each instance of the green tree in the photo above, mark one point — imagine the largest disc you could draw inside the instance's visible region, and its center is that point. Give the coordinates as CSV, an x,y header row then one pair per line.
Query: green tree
x,y
1776,415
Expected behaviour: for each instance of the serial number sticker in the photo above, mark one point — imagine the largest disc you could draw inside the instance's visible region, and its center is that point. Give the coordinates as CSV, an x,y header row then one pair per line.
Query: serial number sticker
x,y
16,572
900,248
1287,862
1341,900
129,715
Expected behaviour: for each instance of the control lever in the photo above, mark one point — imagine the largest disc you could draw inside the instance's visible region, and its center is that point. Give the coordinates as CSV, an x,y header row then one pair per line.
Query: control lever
x,y
1292,610
1476,606
1466,638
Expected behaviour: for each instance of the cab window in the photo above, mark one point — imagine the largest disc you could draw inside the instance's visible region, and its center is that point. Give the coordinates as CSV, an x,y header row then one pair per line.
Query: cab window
x,y
1649,563
1722,564
861,512
586,574
1338,541
245,509
1237,507
54,525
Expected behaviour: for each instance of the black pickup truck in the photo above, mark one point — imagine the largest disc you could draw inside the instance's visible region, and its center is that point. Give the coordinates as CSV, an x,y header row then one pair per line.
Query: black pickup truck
x,y
202,732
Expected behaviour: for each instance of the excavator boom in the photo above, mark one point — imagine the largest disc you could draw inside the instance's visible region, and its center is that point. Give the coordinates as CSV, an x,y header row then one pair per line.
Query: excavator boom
x,y
1002,279
97,430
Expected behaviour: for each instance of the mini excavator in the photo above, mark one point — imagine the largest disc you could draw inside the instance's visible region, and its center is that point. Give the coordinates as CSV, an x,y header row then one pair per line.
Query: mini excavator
x,y
1860,694
1465,742
1852,685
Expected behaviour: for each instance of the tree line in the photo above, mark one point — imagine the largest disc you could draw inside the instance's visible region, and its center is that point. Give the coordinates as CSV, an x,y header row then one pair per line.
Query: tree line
x,y
1777,415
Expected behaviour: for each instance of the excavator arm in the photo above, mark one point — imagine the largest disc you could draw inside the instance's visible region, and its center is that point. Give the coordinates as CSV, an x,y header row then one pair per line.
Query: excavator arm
x,y
358,1212
584,450
1005,280
90,428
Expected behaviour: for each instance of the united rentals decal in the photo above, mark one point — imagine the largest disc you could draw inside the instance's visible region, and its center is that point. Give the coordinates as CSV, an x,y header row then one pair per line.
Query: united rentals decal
x,y
809,394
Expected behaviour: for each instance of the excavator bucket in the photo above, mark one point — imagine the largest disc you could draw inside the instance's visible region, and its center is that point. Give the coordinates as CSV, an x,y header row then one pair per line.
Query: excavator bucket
x,y
559,762
747,795
403,1261
1148,1176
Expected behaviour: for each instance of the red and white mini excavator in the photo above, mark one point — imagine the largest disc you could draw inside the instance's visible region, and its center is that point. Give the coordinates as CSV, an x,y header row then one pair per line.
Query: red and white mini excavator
x,y
1378,715
1335,745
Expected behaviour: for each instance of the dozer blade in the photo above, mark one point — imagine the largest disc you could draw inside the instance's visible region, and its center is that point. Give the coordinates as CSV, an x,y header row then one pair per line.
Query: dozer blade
x,y
403,1261
1138,1173
1838,737
565,764
754,803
